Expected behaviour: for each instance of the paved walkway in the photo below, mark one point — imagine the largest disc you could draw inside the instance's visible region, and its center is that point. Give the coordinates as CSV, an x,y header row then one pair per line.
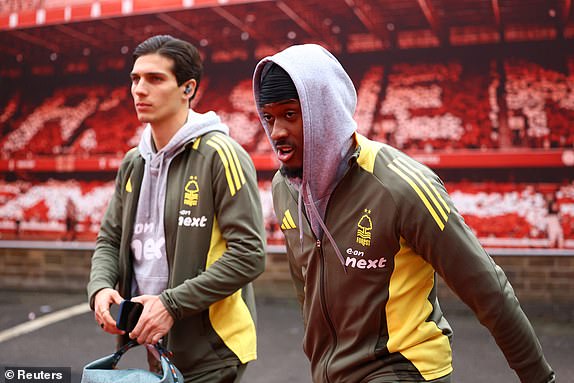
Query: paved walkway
x,y
77,340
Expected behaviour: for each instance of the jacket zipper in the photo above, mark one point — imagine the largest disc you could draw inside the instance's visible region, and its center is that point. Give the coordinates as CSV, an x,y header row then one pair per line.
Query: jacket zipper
x,y
323,304
325,311
170,261
318,245
167,254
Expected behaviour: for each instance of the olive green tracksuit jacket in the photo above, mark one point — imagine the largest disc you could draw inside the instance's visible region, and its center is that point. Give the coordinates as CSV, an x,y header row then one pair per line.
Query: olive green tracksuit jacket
x,y
377,318
214,237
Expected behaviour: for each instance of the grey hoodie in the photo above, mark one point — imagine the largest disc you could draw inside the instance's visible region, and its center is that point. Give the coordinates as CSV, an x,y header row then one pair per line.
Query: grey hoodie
x,y
150,265
328,99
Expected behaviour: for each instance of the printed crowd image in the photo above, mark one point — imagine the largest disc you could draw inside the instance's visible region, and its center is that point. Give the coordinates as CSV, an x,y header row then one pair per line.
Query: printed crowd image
x,y
290,191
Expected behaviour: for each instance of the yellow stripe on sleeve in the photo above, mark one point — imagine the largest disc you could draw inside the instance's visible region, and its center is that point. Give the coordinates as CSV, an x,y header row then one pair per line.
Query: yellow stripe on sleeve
x,y
431,186
421,195
235,158
225,164
234,163
422,181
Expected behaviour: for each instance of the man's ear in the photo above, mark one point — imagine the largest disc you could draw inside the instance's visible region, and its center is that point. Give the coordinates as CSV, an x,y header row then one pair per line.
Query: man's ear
x,y
189,87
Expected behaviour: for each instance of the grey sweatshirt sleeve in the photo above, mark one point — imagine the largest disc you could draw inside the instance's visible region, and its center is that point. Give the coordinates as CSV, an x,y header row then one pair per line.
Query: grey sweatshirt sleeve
x,y
240,220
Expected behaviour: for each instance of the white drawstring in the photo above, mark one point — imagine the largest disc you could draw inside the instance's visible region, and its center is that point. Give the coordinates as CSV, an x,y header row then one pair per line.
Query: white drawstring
x,y
315,212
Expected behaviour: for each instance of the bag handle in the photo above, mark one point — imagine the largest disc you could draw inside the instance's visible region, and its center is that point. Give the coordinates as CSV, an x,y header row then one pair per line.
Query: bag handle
x,y
164,354
118,355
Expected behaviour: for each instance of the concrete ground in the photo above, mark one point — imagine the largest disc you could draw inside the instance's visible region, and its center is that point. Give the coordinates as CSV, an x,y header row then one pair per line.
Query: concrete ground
x,y
75,341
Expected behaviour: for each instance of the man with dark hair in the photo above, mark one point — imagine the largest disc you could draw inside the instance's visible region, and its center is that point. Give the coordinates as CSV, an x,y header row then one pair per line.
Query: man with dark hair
x,y
183,233
367,229
187,62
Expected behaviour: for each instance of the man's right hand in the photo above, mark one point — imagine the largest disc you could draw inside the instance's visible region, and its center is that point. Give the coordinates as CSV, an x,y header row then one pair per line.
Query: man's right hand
x,y
102,303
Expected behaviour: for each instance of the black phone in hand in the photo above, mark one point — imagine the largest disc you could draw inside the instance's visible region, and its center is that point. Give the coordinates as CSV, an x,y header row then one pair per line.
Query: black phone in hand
x,y
128,315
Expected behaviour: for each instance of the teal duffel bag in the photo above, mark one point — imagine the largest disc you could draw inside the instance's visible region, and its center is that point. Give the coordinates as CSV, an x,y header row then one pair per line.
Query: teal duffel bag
x,y
103,370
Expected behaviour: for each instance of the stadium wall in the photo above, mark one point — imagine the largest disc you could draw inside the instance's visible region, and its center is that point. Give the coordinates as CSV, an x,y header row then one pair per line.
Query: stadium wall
x,y
547,279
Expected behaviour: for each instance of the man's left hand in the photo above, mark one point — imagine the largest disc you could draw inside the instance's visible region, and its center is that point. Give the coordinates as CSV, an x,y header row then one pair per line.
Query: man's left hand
x,y
154,322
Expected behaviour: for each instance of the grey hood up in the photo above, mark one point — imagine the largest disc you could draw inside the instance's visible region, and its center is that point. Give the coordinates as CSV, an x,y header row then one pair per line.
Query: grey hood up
x,y
328,100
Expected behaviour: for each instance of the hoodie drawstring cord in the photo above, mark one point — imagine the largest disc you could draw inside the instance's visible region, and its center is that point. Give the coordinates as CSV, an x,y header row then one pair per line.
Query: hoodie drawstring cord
x,y
149,182
315,212
159,183
300,215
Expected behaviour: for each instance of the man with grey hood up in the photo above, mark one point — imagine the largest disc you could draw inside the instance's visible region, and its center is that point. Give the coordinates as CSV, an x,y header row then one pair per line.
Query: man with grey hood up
x,y
183,233
367,229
